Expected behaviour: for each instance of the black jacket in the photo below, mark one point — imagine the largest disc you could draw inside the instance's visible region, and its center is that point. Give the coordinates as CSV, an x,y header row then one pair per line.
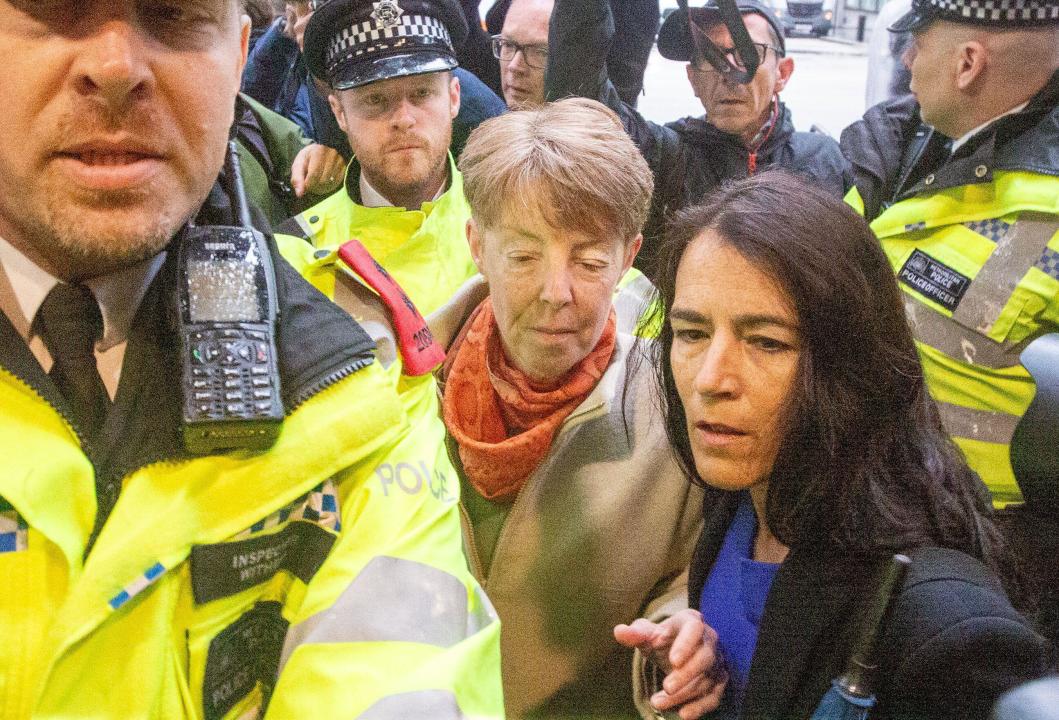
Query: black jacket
x,y
688,157
893,152
951,646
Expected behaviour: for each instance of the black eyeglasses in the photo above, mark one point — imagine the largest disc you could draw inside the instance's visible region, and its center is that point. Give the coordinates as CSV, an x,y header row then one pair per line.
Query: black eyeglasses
x,y
733,55
536,56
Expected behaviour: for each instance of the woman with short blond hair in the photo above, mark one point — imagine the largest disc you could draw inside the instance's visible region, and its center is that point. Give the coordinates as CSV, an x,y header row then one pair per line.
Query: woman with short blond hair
x,y
576,515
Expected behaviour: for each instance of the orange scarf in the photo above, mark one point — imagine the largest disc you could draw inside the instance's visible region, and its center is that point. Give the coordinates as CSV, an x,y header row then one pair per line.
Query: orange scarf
x,y
502,422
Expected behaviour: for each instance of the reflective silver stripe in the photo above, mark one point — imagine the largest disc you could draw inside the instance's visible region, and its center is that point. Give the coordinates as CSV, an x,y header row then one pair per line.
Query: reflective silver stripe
x,y
305,226
631,302
424,704
395,600
984,425
1018,250
947,336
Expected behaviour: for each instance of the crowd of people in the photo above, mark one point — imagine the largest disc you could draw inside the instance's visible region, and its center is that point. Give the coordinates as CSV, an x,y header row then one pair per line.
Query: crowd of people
x,y
375,359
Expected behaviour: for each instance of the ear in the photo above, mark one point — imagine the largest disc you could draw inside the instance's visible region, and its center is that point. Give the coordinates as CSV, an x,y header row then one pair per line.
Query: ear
x,y
336,109
244,48
454,96
784,68
632,248
971,61
474,239
689,70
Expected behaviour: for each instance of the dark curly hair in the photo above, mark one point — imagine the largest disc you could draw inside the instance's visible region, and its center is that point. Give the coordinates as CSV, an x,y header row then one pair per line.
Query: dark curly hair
x,y
865,463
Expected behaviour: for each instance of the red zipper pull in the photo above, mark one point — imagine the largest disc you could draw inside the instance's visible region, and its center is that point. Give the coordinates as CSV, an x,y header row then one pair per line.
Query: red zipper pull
x,y
751,163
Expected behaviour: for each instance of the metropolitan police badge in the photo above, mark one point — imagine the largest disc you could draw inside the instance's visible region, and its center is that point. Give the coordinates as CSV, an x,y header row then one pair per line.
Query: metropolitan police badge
x,y
387,13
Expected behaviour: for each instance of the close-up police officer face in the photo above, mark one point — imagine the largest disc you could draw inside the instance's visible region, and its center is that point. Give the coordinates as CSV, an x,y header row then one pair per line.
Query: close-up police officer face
x,y
116,117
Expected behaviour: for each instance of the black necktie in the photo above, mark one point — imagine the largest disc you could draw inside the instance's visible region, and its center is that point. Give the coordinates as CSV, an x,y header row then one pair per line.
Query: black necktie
x,y
70,324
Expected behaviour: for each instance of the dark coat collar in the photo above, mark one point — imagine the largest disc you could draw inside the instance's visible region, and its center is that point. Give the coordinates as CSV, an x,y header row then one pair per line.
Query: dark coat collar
x,y
699,131
802,640
895,156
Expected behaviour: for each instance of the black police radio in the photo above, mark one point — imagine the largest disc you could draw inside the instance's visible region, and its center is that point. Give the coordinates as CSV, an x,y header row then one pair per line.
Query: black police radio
x,y
226,322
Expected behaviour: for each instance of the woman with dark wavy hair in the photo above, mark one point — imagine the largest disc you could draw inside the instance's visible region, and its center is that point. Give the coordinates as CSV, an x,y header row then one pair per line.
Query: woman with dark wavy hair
x,y
792,390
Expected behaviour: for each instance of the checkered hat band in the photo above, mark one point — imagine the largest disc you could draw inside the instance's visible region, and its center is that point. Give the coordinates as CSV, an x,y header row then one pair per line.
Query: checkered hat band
x,y
370,36
1014,11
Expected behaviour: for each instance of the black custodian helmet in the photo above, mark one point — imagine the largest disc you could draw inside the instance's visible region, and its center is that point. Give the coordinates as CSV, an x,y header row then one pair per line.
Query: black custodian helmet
x,y
999,14
349,43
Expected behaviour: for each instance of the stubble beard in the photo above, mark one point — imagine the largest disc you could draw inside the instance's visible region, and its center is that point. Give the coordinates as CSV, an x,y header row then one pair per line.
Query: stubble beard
x,y
85,233
400,180
109,232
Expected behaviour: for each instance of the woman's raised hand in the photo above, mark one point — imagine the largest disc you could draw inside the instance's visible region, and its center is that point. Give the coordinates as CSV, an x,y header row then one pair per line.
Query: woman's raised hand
x,y
685,648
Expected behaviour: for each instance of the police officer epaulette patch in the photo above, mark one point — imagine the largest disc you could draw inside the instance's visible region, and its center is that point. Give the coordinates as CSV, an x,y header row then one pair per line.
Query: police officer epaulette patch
x,y
420,353
934,280
242,655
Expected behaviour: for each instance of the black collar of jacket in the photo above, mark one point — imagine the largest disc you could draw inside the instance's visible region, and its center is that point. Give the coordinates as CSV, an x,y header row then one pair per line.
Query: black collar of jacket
x,y
885,151
699,131
1026,140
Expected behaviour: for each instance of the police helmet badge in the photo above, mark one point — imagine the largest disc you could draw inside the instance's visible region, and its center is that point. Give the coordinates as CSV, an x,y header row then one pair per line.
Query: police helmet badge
x,y
349,43
387,13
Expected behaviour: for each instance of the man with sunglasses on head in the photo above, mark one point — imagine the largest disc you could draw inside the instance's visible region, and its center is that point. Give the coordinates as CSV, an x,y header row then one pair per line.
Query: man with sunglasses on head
x,y
746,127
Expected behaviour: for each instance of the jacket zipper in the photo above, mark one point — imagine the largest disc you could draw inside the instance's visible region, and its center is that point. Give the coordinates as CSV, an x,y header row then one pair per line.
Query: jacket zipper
x,y
81,439
354,365
108,485
472,547
107,490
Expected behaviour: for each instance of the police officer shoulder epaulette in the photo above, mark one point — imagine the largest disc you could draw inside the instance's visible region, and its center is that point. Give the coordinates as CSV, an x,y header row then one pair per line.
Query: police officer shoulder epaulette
x,y
420,353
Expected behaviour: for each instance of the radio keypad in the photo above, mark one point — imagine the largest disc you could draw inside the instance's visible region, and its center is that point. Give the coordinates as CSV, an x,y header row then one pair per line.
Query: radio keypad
x,y
230,368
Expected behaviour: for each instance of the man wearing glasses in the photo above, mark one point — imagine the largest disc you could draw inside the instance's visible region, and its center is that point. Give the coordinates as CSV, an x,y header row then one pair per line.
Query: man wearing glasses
x,y
746,127
522,49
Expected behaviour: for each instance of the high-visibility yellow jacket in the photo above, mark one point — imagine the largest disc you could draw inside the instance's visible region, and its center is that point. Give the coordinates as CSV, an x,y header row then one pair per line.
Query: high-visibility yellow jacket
x,y
975,245
341,284
979,267
973,237
332,559
424,249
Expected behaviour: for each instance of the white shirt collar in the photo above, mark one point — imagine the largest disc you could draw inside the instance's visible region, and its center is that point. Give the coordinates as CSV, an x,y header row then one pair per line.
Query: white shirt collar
x,y
962,140
372,198
118,294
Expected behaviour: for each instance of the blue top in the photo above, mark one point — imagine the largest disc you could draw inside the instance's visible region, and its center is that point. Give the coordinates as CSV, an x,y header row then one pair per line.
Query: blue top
x,y
733,600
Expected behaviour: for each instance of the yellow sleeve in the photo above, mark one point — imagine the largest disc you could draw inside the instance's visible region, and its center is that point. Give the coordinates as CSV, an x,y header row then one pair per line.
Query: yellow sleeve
x,y
393,625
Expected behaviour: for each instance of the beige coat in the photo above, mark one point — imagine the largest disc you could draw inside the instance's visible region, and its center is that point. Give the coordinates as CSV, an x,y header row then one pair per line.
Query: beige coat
x,y
600,534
